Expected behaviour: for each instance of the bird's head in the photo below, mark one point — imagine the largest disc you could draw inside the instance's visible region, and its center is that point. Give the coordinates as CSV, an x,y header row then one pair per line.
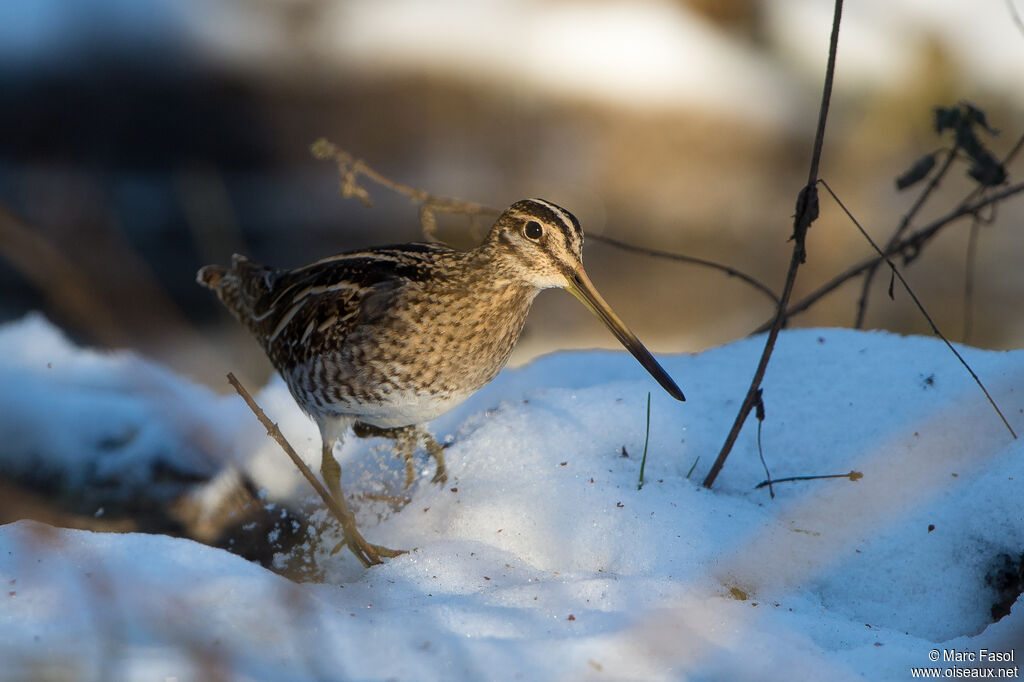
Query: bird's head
x,y
541,244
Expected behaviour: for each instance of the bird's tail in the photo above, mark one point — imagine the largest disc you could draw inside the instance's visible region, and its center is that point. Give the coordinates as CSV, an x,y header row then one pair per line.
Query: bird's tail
x,y
210,276
237,287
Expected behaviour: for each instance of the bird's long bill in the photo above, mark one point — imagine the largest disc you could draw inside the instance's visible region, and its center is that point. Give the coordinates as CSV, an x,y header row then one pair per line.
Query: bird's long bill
x,y
582,288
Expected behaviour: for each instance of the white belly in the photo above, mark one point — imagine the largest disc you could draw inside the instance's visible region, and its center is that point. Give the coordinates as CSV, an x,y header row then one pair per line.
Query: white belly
x,y
406,408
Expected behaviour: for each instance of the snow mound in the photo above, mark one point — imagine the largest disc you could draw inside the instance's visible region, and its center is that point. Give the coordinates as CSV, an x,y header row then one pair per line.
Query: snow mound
x,y
540,558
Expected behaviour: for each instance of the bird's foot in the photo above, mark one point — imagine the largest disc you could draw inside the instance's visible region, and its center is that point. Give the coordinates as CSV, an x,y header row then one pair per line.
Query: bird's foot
x,y
406,440
368,553
436,450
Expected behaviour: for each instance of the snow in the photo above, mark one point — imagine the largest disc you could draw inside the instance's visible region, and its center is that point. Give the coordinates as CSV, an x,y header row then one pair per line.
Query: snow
x,y
98,421
540,559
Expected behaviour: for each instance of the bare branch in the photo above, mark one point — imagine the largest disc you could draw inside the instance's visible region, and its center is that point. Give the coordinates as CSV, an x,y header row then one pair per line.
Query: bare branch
x,y
911,243
862,303
350,168
920,307
367,554
692,260
806,213
853,476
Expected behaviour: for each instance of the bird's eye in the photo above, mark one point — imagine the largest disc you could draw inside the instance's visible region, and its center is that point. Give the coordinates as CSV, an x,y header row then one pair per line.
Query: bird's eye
x,y
533,230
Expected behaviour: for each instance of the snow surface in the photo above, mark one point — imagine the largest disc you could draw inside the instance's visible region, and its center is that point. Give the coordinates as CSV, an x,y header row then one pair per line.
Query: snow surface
x,y
540,559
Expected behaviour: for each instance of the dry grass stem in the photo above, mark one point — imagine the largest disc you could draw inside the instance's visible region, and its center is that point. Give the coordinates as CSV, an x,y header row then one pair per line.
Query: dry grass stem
x,y
367,553
921,307
350,168
806,213
911,244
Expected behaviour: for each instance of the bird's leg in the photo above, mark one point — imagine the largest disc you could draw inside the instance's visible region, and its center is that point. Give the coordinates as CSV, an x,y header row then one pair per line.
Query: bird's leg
x,y
331,470
368,554
406,440
405,447
436,451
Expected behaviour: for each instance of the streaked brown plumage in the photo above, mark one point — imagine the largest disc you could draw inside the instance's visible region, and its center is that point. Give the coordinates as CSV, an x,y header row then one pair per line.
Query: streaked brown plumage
x,y
392,337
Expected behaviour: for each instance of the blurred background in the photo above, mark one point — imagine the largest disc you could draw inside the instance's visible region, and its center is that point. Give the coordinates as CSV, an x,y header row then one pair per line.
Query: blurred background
x,y
140,139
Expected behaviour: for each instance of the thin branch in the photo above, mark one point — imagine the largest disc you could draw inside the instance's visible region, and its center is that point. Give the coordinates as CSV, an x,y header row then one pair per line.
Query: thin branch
x,y
806,213
368,554
905,222
853,476
865,291
760,449
692,260
275,432
915,242
826,94
912,243
1006,160
1012,154
920,307
351,168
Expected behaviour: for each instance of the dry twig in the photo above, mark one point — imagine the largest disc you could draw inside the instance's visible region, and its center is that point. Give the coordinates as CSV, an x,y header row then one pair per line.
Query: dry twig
x,y
904,223
367,554
853,476
917,302
908,247
692,260
350,168
806,213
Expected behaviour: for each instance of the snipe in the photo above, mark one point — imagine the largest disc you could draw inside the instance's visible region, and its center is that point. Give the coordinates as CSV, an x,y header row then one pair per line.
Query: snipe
x,y
388,338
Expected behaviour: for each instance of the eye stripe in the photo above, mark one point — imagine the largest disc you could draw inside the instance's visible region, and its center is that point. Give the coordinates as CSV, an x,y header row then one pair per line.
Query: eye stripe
x,y
560,215
556,216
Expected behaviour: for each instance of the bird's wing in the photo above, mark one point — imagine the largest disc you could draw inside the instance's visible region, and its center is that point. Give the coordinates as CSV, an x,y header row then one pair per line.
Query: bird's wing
x,y
295,312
